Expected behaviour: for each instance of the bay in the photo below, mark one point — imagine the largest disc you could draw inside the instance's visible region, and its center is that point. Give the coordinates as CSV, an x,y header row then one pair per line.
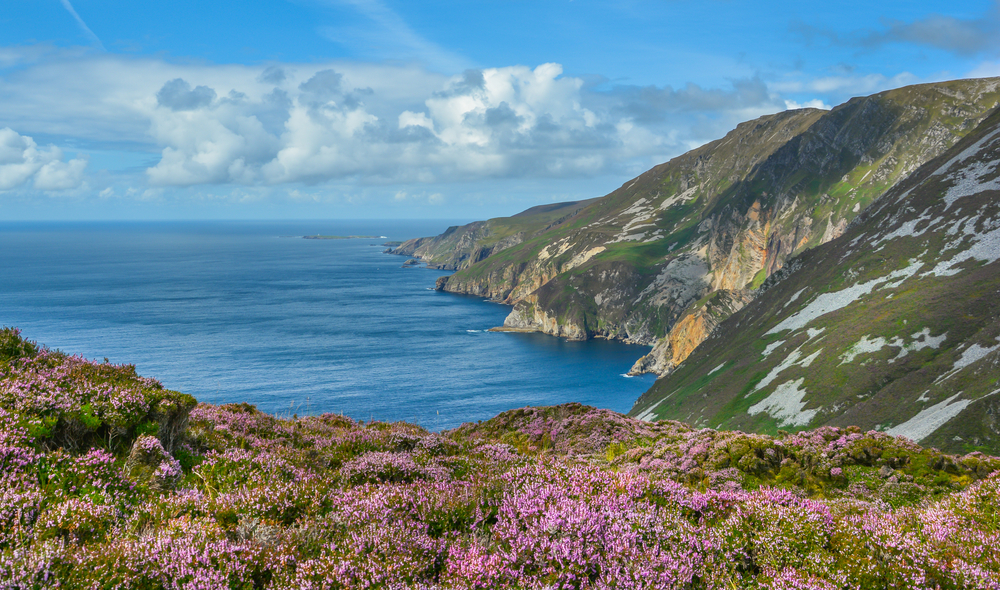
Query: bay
x,y
250,312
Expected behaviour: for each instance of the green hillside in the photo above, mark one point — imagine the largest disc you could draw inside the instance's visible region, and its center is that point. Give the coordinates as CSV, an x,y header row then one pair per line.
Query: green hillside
x,y
894,326
640,263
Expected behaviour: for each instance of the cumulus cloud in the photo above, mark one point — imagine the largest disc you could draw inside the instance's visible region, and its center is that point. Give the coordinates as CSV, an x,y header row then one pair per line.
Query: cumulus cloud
x,y
272,75
513,121
23,162
374,124
178,95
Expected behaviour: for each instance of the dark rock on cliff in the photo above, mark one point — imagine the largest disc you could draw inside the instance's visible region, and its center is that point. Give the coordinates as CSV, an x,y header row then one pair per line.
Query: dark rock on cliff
x,y
723,217
893,326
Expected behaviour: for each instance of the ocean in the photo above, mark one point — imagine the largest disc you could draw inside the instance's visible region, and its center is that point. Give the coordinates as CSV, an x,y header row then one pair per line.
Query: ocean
x,y
251,312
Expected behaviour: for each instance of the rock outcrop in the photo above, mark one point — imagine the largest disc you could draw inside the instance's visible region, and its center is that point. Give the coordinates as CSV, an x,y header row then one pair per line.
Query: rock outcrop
x,y
722,217
893,326
691,330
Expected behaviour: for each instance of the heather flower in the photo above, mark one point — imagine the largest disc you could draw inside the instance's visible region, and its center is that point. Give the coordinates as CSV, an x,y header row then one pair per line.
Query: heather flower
x,y
562,497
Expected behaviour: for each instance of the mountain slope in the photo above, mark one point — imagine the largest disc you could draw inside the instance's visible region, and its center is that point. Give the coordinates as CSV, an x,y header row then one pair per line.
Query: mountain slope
x,y
462,246
895,325
669,255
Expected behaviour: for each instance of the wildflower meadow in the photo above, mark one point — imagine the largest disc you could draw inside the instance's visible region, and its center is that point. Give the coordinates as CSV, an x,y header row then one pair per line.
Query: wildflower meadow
x,y
108,480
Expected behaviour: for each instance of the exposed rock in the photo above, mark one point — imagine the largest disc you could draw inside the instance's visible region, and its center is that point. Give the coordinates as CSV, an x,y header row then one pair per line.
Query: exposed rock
x,y
892,326
690,331
723,217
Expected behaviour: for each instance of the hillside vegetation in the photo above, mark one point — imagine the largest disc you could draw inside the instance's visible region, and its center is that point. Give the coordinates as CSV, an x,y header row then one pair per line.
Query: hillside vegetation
x,y
669,255
108,480
895,325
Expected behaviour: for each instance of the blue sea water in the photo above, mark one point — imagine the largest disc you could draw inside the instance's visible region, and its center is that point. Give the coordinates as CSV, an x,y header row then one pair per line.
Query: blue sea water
x,y
249,311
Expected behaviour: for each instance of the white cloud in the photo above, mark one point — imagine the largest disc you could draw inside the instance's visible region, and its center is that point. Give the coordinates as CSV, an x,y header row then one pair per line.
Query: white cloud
x,y
22,162
847,85
365,124
809,104
987,69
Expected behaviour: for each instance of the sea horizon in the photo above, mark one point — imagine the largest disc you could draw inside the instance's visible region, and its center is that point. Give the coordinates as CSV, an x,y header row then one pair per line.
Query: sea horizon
x,y
235,311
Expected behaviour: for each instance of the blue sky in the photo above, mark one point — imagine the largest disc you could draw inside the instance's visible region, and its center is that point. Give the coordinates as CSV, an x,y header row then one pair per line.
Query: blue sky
x,y
436,109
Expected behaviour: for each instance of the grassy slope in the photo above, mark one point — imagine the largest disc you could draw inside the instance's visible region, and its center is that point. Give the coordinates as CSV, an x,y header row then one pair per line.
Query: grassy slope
x,y
805,169
453,248
880,386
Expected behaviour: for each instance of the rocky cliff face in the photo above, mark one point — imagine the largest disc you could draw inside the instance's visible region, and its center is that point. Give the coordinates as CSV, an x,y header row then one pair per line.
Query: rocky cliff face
x,y
691,330
894,326
723,217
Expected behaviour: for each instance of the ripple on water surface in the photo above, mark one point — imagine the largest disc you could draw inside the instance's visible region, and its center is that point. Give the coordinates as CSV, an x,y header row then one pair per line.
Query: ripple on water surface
x,y
234,312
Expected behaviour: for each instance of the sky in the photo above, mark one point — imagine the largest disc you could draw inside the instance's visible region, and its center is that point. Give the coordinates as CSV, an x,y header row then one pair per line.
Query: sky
x,y
352,109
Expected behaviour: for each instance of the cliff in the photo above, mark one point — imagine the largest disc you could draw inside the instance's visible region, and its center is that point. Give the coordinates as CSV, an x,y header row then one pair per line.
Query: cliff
x,y
893,326
462,246
723,217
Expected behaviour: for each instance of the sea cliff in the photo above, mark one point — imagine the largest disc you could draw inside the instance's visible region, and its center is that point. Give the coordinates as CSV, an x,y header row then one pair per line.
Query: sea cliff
x,y
642,263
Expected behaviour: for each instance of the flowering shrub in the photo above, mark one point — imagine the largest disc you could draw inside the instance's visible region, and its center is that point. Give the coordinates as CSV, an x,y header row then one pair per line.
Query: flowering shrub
x,y
134,493
68,401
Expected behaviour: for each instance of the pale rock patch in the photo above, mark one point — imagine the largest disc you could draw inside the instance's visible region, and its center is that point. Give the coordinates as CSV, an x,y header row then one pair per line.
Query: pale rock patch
x,y
972,180
582,257
772,347
908,228
970,355
866,346
678,198
785,405
985,247
921,340
825,303
792,360
794,296
930,419
969,151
